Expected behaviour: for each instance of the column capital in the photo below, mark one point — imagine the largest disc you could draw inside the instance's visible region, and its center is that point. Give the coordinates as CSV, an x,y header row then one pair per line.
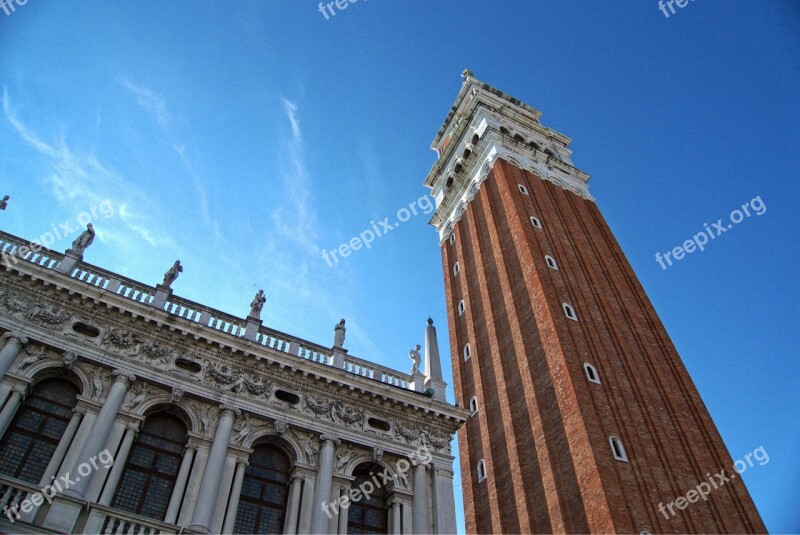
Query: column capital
x,y
330,438
124,377
16,335
229,410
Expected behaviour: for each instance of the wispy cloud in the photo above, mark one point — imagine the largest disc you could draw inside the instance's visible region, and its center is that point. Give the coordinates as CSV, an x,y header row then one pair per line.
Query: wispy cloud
x,y
79,181
296,219
150,101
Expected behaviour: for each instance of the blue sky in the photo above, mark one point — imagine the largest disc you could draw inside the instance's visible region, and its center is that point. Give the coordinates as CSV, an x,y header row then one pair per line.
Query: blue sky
x,y
245,138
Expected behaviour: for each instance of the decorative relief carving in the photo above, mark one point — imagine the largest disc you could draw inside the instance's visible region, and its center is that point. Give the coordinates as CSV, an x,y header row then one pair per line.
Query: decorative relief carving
x,y
423,437
124,341
101,380
206,415
70,357
33,354
48,316
177,395
309,443
343,457
137,395
245,427
335,411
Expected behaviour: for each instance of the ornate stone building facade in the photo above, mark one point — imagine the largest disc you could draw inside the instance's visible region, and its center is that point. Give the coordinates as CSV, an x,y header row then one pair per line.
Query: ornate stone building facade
x,y
127,409
584,418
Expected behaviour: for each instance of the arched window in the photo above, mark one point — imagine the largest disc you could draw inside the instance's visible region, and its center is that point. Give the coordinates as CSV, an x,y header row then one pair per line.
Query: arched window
x,y
265,491
617,449
33,436
467,352
368,514
569,312
535,222
522,189
591,373
456,269
152,467
461,307
551,262
473,405
481,470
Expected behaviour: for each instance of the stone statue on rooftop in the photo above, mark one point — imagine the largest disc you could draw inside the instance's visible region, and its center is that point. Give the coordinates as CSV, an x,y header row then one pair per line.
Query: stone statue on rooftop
x,y
4,202
257,304
83,241
172,274
338,334
416,358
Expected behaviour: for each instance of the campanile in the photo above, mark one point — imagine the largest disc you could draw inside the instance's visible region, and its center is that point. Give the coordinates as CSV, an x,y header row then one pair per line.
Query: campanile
x,y
584,418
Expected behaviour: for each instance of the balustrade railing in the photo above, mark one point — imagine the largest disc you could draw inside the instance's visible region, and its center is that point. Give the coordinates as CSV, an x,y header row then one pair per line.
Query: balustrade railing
x,y
102,279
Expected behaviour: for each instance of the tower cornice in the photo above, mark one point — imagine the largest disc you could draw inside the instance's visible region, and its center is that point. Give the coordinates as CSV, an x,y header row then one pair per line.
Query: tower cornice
x,y
486,124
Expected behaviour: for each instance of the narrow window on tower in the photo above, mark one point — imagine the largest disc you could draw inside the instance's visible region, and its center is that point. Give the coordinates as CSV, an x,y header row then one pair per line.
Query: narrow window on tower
x,y
481,470
467,352
473,405
591,373
461,307
452,239
522,189
456,269
569,312
617,449
535,222
551,262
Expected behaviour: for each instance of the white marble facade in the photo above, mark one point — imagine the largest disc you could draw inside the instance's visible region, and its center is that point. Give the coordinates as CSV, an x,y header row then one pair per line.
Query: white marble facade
x,y
234,383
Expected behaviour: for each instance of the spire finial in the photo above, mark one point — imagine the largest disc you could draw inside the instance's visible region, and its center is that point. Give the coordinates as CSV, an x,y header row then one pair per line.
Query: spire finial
x,y
430,320
466,73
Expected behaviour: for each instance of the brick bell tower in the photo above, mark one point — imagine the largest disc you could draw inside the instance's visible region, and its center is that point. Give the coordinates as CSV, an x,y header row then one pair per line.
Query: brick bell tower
x,y
584,417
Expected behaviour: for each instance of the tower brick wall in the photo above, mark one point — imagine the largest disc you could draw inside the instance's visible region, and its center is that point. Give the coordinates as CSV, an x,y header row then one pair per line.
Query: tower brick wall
x,y
542,428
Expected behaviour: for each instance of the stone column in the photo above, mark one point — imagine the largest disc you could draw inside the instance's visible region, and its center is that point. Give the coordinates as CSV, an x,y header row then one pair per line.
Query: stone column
x,y
5,390
294,506
407,520
306,505
84,429
322,490
224,494
444,503
10,409
171,516
420,505
396,516
101,429
99,475
233,500
343,512
10,350
118,467
63,446
207,497
195,478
